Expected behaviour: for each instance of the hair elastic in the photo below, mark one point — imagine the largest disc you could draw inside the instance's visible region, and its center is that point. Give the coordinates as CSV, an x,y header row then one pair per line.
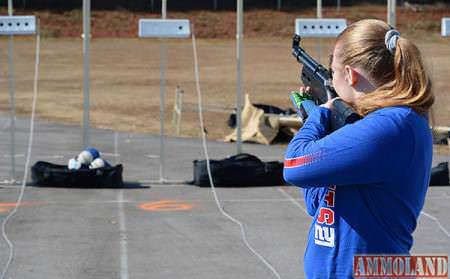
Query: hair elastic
x,y
390,39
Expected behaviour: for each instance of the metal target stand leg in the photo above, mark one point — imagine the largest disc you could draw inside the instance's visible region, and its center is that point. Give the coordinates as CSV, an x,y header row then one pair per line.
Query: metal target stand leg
x,y
86,71
11,26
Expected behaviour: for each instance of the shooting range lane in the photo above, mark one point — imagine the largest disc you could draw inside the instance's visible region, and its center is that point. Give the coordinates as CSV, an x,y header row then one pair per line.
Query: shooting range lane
x,y
169,231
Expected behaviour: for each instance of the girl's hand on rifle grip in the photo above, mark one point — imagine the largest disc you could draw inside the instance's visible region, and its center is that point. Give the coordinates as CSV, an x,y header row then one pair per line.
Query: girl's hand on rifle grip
x,y
305,89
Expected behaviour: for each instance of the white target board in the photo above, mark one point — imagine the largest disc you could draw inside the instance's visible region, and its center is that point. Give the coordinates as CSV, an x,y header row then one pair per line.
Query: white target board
x,y
445,27
17,25
164,28
319,27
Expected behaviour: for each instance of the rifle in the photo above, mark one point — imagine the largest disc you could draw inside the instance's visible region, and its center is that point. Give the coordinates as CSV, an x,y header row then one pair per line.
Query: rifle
x,y
318,79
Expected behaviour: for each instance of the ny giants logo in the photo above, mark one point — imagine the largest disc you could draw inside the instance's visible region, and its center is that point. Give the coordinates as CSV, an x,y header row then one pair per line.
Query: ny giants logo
x,y
324,233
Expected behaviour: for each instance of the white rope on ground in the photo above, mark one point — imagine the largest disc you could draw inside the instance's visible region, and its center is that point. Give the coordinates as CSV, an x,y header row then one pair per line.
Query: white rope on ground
x,y
205,149
436,220
27,162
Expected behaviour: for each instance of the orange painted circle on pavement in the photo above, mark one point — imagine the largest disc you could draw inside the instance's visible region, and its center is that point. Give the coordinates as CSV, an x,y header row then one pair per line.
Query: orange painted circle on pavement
x,y
2,209
165,205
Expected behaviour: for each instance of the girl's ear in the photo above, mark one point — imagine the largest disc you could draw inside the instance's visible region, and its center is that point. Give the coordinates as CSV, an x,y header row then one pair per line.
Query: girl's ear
x,y
351,76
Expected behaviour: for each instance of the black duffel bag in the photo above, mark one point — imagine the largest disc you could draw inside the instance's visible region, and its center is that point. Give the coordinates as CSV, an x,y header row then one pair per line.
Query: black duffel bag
x,y
51,175
440,175
239,170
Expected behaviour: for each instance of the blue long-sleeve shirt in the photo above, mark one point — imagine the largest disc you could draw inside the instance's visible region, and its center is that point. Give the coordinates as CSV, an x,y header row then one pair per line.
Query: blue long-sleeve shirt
x,y
364,184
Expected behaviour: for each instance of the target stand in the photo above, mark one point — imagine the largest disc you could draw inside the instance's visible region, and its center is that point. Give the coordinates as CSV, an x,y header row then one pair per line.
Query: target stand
x,y
162,29
15,26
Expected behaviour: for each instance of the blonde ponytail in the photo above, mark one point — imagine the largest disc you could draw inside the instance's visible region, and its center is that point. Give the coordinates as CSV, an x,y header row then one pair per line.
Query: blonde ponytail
x,y
394,66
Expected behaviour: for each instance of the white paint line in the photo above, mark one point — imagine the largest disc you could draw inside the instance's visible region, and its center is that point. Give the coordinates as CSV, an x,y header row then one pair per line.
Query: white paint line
x,y
15,156
146,201
10,183
54,156
438,198
110,154
158,184
294,201
164,183
152,156
436,220
123,238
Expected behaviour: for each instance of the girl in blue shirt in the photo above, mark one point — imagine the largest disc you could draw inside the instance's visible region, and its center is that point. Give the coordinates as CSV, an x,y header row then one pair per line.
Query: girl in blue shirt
x,y
365,183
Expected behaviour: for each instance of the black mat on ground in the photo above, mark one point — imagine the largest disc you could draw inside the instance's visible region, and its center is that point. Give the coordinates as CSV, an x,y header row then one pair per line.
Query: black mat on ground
x,y
241,170
45,174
